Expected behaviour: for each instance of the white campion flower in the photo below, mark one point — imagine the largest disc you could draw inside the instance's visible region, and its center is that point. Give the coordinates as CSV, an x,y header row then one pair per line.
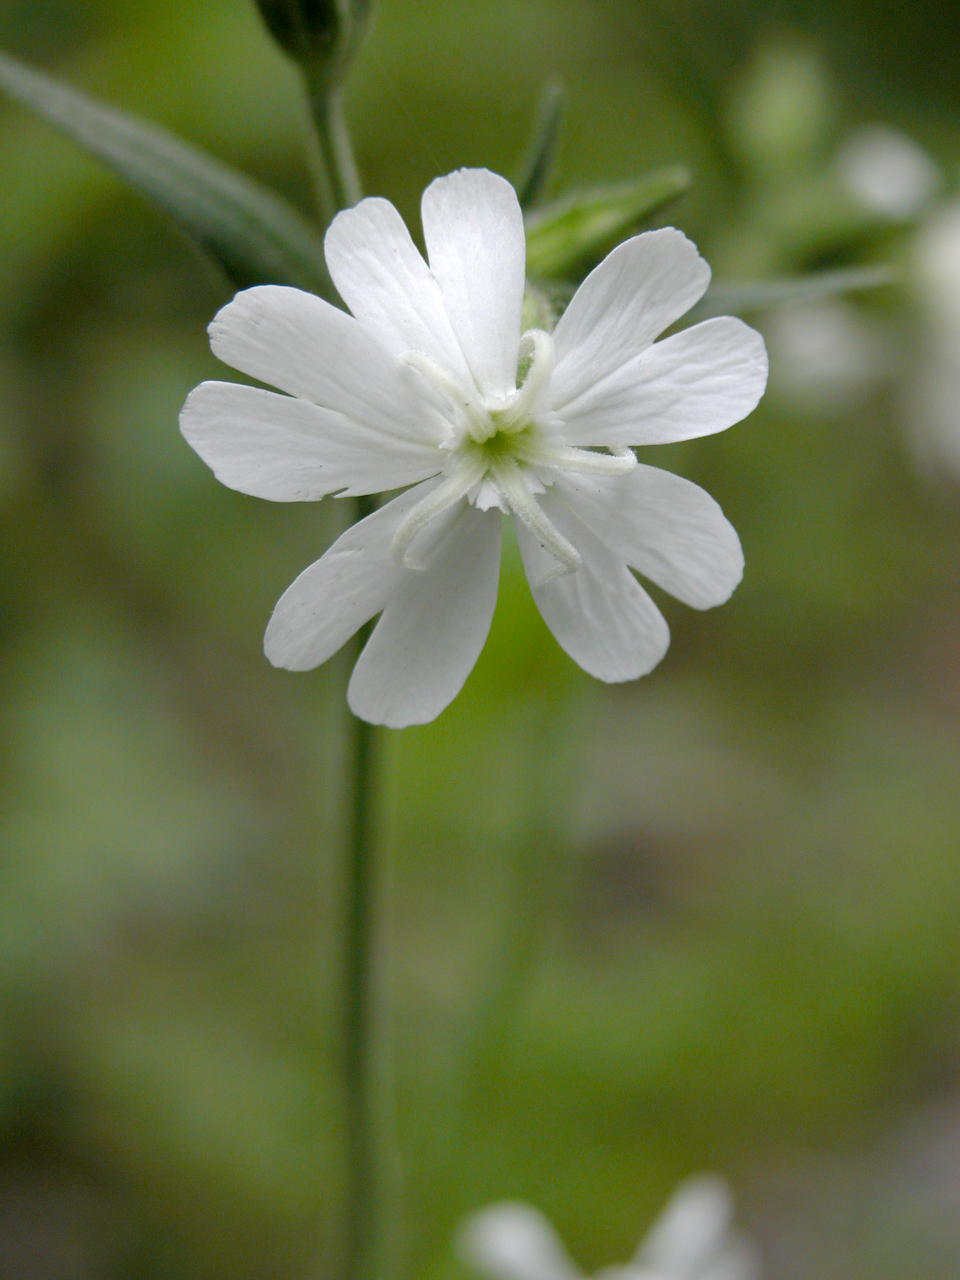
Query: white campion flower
x,y
692,1239
430,386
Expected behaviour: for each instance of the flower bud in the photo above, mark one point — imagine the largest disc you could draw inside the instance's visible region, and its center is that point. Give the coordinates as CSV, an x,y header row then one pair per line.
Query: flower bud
x,y
566,238
320,35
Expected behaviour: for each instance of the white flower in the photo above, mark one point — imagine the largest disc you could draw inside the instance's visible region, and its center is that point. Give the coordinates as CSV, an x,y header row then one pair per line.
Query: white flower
x,y
430,384
826,356
691,1240
886,172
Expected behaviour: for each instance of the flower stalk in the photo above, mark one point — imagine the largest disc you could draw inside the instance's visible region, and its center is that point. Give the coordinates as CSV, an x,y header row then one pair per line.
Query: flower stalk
x,y
315,37
336,179
321,37
360,1237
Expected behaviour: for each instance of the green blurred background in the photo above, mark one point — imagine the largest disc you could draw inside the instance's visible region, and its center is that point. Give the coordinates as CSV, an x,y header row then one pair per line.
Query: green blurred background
x,y
706,921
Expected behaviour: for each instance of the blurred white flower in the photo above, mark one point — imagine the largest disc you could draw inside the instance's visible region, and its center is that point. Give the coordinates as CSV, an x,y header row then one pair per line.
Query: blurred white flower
x,y
826,357
693,1239
886,172
430,383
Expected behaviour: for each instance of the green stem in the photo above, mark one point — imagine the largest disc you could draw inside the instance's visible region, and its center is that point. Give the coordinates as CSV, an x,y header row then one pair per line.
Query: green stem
x,y
360,1078
338,186
361,1193
335,169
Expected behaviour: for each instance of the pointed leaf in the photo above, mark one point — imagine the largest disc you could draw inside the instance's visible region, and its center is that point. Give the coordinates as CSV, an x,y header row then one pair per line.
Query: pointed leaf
x,y
760,295
566,236
251,234
543,145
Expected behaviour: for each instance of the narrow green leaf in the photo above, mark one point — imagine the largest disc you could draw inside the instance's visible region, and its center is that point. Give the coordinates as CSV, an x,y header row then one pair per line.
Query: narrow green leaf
x,y
251,234
760,295
574,232
543,144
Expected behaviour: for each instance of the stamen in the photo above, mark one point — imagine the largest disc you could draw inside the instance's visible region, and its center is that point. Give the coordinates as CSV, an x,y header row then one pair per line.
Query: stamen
x,y
458,394
456,485
509,479
568,458
538,346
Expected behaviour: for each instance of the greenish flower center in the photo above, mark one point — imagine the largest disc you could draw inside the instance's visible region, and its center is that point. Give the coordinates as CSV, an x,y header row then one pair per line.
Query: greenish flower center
x,y
509,439
505,456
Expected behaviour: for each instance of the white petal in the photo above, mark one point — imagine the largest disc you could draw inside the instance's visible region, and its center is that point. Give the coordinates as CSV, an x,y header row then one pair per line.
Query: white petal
x,y
691,1230
288,450
433,628
639,289
385,282
473,230
513,1241
667,528
694,383
337,594
599,613
301,344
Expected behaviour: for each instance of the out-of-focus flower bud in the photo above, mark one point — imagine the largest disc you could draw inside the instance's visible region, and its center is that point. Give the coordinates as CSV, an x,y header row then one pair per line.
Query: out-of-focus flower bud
x,y
886,172
320,35
781,118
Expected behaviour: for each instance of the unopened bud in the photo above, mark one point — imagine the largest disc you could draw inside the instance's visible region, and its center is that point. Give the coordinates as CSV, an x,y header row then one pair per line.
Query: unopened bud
x,y
320,35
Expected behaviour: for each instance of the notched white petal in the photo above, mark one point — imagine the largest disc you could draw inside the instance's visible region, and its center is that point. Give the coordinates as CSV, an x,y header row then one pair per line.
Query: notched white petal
x,y
434,626
691,1233
695,383
637,291
600,614
288,450
335,596
666,527
473,230
383,279
513,1241
310,349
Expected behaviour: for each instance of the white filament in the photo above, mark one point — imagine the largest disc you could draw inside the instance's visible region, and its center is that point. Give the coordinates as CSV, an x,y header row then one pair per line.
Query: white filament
x,y
508,477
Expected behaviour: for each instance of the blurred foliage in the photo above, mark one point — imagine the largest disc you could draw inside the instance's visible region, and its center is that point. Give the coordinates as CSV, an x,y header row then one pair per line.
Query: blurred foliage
x,y
704,921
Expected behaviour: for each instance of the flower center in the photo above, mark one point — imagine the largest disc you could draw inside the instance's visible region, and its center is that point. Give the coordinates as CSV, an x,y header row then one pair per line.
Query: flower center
x,y
504,455
510,441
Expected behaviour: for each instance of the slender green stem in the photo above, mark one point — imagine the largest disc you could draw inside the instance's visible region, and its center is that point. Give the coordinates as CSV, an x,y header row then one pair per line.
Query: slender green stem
x,y
338,186
361,1192
360,1077
335,169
